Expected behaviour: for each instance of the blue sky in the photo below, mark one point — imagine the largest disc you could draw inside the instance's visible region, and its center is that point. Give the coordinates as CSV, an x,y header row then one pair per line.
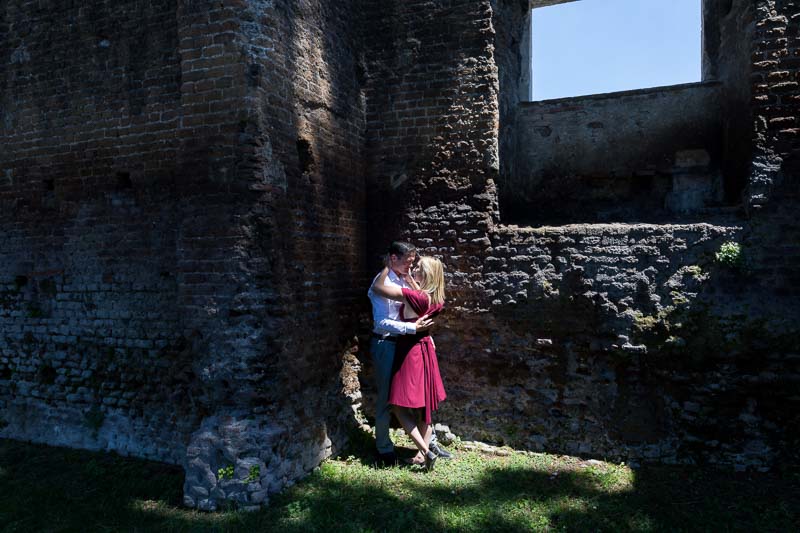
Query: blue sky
x,y
599,46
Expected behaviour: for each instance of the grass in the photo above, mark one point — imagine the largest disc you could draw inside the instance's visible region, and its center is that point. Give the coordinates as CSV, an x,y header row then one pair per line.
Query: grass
x,y
56,489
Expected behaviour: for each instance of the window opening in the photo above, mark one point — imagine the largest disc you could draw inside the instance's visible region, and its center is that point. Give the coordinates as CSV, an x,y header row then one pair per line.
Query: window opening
x,y
599,46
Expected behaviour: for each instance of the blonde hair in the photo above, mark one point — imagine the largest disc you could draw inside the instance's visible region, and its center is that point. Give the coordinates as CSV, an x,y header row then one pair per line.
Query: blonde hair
x,y
432,282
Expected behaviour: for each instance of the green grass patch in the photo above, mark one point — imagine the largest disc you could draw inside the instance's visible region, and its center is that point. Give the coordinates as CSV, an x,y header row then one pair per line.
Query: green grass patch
x,y
56,489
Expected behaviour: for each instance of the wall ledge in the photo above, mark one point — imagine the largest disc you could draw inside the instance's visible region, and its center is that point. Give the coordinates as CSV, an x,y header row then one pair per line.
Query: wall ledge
x,y
622,94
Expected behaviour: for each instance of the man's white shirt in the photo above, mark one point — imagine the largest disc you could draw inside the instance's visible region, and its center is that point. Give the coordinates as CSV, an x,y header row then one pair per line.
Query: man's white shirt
x,y
386,312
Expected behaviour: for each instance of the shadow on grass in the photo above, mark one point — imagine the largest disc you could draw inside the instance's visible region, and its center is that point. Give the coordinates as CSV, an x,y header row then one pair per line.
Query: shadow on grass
x,y
522,499
53,489
58,489
361,448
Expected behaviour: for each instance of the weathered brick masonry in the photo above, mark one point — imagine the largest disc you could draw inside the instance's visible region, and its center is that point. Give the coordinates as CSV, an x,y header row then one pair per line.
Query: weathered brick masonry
x,y
92,347
618,157
193,196
303,224
617,340
183,223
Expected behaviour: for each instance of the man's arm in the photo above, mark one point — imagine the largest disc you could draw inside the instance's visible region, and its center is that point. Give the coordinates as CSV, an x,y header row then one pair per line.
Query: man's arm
x,y
398,327
394,327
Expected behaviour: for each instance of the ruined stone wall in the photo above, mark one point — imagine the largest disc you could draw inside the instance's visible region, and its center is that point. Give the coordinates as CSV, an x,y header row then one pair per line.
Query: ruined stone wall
x,y
635,178
775,98
773,185
646,155
183,216
184,251
616,340
91,338
561,360
305,224
731,64
432,119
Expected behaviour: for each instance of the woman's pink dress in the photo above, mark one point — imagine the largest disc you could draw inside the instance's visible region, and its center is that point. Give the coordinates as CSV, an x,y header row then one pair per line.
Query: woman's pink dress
x,y
416,381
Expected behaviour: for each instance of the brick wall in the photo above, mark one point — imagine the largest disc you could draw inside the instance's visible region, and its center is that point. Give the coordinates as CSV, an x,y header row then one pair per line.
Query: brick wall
x,y
92,349
300,208
776,94
773,186
194,199
183,219
611,340
432,116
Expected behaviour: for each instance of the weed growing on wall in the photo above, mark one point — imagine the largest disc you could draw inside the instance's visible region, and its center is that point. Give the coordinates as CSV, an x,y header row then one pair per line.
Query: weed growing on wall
x,y
254,474
730,255
225,472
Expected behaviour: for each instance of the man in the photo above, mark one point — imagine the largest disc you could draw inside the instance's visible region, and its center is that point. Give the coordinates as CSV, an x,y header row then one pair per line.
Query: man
x,y
386,327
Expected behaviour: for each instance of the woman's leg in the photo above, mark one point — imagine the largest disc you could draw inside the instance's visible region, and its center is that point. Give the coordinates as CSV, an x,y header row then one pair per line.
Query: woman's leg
x,y
426,430
409,423
427,433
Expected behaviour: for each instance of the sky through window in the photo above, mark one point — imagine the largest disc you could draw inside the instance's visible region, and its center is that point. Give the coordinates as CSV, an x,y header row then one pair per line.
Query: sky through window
x,y
600,46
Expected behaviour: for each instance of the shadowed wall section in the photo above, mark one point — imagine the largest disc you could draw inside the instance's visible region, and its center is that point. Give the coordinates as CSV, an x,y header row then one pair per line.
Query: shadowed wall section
x,y
301,211
183,216
92,346
193,196
618,339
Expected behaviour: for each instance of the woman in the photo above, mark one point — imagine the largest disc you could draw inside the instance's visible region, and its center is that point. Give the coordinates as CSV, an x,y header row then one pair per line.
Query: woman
x,y
417,385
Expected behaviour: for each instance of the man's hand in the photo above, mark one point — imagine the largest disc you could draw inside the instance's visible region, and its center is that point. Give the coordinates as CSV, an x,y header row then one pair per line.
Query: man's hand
x,y
423,323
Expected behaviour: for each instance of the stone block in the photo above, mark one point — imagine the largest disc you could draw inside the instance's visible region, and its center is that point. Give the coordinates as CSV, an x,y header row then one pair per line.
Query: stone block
x,y
692,192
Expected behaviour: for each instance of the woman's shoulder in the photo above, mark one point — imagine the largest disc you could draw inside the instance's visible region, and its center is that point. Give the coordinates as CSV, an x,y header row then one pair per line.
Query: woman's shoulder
x,y
419,300
415,293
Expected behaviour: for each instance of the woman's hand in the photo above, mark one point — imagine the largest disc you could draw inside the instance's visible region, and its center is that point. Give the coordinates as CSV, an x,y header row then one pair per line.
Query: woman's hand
x,y
423,323
409,279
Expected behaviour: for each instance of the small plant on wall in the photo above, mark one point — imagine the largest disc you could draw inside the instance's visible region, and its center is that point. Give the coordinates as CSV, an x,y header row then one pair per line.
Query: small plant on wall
x,y
225,472
255,472
730,255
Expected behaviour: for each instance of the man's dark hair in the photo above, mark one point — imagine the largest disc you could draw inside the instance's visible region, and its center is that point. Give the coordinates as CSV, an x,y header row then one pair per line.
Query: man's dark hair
x,y
400,248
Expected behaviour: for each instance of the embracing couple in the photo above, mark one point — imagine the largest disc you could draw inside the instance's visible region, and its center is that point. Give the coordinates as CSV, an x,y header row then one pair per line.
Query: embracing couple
x,y
405,297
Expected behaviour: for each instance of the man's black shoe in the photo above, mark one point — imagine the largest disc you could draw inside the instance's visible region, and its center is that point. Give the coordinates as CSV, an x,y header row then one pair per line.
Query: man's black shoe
x,y
387,459
441,452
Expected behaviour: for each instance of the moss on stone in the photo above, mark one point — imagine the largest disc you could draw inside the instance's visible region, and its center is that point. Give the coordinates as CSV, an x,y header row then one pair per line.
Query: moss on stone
x,y
696,272
644,322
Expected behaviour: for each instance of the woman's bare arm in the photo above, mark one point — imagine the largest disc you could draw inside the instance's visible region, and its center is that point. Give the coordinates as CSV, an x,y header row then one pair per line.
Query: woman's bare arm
x,y
387,291
424,322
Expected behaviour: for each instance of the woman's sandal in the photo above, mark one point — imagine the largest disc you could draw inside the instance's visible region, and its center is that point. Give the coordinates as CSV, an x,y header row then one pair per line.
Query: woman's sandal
x,y
430,460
